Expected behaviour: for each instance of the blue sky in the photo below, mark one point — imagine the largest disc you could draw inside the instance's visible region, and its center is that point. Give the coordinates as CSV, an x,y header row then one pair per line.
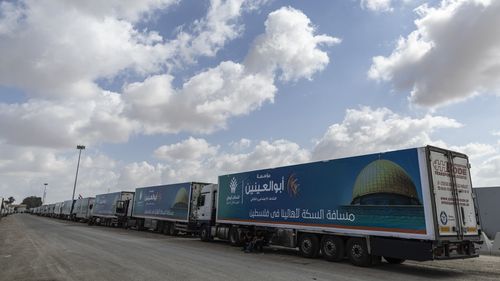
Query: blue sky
x,y
171,91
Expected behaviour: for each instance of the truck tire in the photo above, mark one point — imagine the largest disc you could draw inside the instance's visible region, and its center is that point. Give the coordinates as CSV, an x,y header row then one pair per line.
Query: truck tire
x,y
205,233
394,260
166,228
309,245
234,237
332,248
357,251
171,230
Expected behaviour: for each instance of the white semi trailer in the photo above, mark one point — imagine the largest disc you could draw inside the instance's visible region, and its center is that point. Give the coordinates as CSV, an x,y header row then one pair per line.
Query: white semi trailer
x,y
414,204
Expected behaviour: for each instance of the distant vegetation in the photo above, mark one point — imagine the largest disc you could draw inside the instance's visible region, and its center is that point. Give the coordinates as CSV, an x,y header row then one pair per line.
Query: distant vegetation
x,y
32,202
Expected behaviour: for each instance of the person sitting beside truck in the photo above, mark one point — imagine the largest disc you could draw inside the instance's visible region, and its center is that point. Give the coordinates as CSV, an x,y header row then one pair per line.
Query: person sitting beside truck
x,y
247,242
258,242
254,243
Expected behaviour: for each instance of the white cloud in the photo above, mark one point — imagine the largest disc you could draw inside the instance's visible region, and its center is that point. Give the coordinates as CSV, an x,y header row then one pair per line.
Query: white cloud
x,y
197,160
139,174
204,103
207,100
241,145
209,34
476,150
487,172
264,155
57,55
364,130
62,124
446,59
289,44
24,170
367,130
377,5
189,149
63,54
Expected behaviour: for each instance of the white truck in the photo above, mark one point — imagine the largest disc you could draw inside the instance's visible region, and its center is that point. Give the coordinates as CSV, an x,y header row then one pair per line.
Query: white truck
x,y
413,204
82,210
112,209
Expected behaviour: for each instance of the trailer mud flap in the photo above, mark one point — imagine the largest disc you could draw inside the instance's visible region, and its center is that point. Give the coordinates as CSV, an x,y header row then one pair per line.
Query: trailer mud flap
x,y
403,249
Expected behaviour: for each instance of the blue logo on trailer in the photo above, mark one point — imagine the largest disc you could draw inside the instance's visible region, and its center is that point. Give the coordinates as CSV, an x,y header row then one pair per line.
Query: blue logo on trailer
x,y
443,217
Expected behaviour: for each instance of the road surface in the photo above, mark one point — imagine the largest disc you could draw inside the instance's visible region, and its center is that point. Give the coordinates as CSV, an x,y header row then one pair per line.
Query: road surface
x,y
37,248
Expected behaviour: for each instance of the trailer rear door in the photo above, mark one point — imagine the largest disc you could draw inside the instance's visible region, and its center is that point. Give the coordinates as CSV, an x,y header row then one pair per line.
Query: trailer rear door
x,y
454,203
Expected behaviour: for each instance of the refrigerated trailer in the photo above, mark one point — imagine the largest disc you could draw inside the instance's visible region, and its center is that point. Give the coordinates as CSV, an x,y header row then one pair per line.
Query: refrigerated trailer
x,y
413,204
83,209
56,211
167,208
1,208
112,209
66,209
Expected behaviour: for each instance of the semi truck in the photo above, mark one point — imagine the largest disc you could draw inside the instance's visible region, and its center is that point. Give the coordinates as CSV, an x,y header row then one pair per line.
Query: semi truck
x,y
66,209
167,208
83,209
1,207
414,204
112,209
56,212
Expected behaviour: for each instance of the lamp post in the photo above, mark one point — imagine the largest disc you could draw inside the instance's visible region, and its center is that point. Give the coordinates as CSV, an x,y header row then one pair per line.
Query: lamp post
x,y
44,192
80,148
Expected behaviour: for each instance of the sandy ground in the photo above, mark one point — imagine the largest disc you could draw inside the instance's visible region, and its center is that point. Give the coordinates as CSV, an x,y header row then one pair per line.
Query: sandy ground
x,y
37,248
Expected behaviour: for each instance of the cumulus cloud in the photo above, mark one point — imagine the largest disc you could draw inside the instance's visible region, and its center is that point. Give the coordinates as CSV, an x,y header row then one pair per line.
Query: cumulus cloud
x,y
24,170
189,149
368,130
377,5
363,130
139,174
209,34
64,54
197,160
446,59
207,100
289,44
241,145
51,54
487,172
203,104
57,60
48,123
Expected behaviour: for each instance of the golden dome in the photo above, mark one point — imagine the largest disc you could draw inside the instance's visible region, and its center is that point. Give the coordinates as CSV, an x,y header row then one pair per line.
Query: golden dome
x,y
384,176
181,198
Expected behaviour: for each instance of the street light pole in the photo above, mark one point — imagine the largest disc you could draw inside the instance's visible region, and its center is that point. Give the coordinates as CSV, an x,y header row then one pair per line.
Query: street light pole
x,y
80,148
44,192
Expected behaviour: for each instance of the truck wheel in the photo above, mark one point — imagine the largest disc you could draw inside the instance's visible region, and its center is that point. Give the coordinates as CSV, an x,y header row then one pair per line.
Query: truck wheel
x,y
205,233
166,228
234,237
172,231
309,246
358,252
394,260
332,248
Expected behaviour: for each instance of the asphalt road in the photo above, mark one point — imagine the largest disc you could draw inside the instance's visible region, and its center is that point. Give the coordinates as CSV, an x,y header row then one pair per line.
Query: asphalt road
x,y
37,248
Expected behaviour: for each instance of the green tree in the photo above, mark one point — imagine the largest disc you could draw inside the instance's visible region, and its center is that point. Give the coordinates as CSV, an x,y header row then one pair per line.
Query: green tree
x,y
32,202
10,200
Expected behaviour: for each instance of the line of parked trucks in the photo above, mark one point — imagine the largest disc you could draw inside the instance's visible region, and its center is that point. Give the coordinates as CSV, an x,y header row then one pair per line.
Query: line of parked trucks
x,y
413,204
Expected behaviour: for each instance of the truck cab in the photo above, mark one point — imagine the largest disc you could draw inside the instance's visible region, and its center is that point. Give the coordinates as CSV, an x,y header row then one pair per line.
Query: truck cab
x,y
207,210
